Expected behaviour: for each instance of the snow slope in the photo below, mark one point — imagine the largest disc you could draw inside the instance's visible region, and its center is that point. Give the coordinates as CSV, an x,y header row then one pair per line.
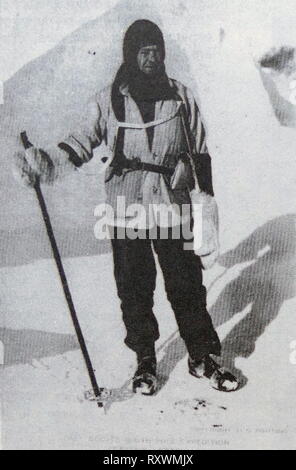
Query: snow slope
x,y
211,47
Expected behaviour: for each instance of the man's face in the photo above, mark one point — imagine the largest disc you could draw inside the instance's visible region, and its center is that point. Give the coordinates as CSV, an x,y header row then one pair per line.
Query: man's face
x,y
149,60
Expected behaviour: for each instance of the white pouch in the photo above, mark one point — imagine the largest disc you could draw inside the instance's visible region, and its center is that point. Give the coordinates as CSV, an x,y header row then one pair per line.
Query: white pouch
x,y
205,227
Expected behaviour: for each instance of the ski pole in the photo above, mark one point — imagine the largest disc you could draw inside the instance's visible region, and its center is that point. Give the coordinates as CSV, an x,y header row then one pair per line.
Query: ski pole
x,y
57,257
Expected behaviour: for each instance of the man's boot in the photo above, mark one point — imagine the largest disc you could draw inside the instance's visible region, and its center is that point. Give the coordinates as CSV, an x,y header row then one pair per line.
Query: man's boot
x,y
220,378
144,380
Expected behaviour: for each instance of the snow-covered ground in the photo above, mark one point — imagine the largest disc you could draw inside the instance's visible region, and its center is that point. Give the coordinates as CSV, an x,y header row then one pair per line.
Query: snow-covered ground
x,y
44,380
252,289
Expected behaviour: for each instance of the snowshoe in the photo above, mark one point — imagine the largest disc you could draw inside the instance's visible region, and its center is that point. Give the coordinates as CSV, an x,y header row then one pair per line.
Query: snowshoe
x,y
144,380
219,377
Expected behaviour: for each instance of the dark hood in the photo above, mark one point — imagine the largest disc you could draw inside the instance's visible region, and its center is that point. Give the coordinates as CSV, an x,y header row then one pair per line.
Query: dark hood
x,y
141,87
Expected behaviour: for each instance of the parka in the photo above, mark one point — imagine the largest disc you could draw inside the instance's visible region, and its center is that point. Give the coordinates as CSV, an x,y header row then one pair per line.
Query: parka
x,y
141,187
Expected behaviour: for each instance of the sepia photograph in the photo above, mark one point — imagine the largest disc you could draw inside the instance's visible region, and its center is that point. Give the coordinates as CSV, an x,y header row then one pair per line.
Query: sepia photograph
x,y
148,226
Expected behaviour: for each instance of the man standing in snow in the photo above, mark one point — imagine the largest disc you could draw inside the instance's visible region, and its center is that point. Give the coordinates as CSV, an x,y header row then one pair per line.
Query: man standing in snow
x,y
139,118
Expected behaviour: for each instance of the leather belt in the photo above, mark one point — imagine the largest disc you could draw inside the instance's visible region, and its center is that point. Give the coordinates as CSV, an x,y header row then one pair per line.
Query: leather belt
x,y
135,164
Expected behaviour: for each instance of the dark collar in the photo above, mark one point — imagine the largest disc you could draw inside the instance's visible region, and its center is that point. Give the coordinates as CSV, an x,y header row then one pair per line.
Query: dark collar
x,y
124,88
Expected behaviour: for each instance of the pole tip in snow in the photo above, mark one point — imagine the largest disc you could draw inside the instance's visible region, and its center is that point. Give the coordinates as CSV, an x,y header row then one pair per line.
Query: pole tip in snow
x,y
103,397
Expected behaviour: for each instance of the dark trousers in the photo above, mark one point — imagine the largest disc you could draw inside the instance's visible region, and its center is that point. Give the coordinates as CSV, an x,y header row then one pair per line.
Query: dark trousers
x,y
135,275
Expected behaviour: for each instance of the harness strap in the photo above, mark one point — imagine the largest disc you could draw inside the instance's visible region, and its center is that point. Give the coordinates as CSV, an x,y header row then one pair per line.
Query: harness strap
x,y
157,122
